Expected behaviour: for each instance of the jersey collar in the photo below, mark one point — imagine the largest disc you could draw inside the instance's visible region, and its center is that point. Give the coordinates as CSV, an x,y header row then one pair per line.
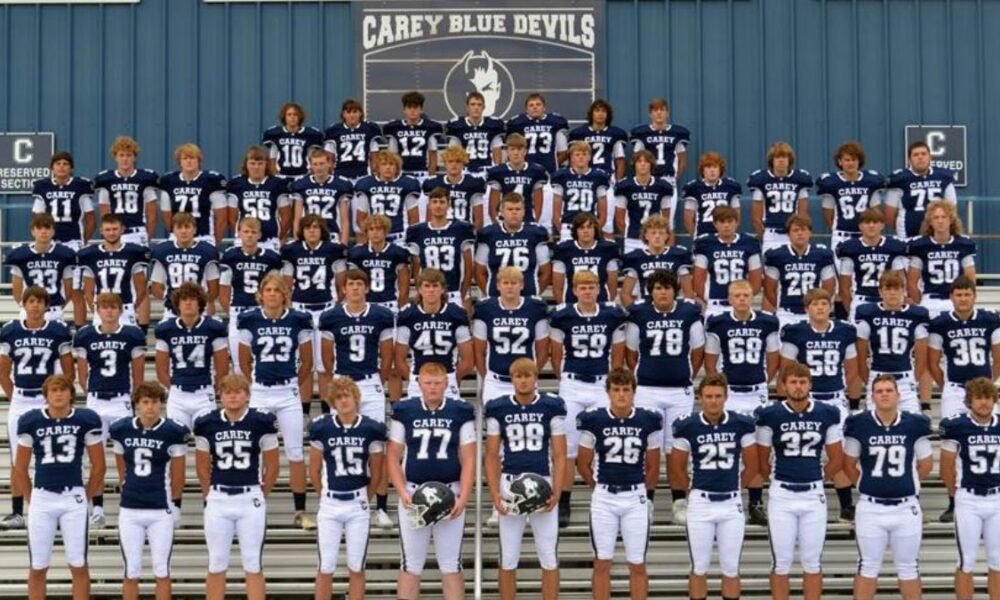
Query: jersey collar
x,y
899,417
57,184
252,182
881,242
753,316
482,121
345,426
181,324
789,408
363,313
101,331
951,239
790,173
954,315
259,252
120,176
447,224
305,245
576,307
180,175
614,418
725,418
791,250
225,419
34,250
829,328
138,424
993,421
579,247
278,318
930,171
840,175
503,227
444,307
313,179
72,411
513,400
444,402
24,325
520,303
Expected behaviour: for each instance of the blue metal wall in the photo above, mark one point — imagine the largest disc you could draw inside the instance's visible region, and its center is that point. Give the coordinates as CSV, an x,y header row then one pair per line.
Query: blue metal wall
x,y
739,73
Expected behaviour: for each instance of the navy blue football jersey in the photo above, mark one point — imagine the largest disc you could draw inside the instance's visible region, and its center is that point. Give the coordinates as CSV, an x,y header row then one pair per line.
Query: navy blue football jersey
x,y
725,262
323,198
478,139
703,198
48,270
797,274
865,264
587,338
912,193
236,446
174,265
665,144
67,203
966,345
346,450
147,454
524,181
620,445
433,438
526,431
443,249
433,337
891,335
463,194
940,264
640,264
243,273
109,356
978,449
798,438
351,147
601,259
412,142
382,266
526,248
605,145
824,352
191,349
113,270
780,195
58,445
356,338
128,196
275,343
510,333
389,198
34,353
887,452
199,197
663,341
261,199
716,449
849,199
290,149
546,137
313,270
580,192
742,346
640,200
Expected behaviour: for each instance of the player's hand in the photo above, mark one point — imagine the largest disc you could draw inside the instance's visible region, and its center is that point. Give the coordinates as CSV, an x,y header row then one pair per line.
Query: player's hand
x,y
405,498
498,504
175,512
460,503
551,505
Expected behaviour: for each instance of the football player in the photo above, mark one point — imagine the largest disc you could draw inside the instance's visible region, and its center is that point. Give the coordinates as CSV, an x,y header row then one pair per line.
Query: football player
x,y
505,328
846,194
352,141
325,194
607,142
711,190
415,138
241,270
526,435
464,190
668,142
149,453
276,355
388,192
432,438
129,192
45,264
638,197
779,192
587,341
526,179
192,355
435,330
659,252
386,264
544,132
578,188
887,452
69,199
444,243
791,271
798,430
117,267
723,258
513,243
202,194
237,466
291,142
910,191
624,440
346,449
37,345
57,436
481,136
181,261
721,446
587,251
969,444
257,192
863,260
937,257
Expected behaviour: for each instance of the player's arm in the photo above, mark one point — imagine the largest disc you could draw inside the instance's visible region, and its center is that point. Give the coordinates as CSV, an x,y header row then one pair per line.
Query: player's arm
x,y
163,368
627,296
697,341
711,361
602,215
677,468
751,466
834,460
947,466
17,288
757,215
763,453
403,285
698,278
802,206
558,284
297,213
494,205
326,352
652,467
157,281
492,467
316,465
584,459
631,346
620,218
150,210
934,365
995,352
478,211
479,352
682,162
925,464
542,343
556,350
220,361
20,476
468,268
284,220
305,372
98,466
558,451
851,372
466,360
913,280
844,289
89,225
557,205
770,299
755,275
344,209
394,451
203,466
120,465
138,369
83,372
862,348
269,469
89,287
387,367
828,213
139,281
401,354
537,201
6,383
482,274
544,275
245,361
829,282
618,353
773,360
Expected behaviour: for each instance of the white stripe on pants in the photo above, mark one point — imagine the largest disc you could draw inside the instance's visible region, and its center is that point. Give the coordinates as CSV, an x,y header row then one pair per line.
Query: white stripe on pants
x,y
67,512
135,526
243,515
796,517
342,518
627,512
879,526
715,522
977,518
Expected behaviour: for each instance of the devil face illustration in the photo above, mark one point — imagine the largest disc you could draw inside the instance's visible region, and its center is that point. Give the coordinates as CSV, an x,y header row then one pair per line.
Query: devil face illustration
x,y
485,78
